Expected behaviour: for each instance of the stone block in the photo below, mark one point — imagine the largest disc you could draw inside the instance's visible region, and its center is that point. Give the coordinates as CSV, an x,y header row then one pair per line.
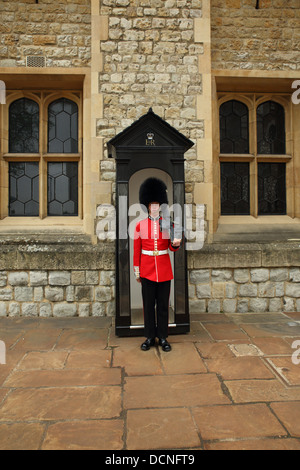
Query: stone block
x,y
204,291
14,309
3,309
280,274
45,309
288,304
230,290
248,290
6,294
84,310
220,276
29,310
197,306
64,310
24,294
241,276
275,305
78,278
38,278
92,277
229,305
218,290
83,293
258,305
295,275
38,294
18,279
214,306
3,279
266,289
98,309
200,275
292,290
242,306
54,294
59,278
107,278
102,294
259,275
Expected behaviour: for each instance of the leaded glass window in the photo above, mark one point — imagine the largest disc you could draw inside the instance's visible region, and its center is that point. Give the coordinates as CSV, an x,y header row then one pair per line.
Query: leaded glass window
x,y
63,189
271,188
24,126
235,188
270,129
234,127
63,126
24,189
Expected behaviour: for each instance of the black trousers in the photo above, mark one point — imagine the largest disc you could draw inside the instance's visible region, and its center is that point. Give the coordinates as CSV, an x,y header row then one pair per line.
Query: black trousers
x,y
156,294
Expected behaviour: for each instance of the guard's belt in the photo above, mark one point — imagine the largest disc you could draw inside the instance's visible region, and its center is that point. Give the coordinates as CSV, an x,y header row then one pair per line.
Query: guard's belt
x,y
155,252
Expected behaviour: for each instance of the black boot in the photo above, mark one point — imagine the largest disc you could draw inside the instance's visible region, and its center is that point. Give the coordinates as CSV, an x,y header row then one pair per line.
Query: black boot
x,y
147,344
165,345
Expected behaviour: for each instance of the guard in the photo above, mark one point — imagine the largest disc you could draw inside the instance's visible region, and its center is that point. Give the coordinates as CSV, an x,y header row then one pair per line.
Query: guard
x,y
152,264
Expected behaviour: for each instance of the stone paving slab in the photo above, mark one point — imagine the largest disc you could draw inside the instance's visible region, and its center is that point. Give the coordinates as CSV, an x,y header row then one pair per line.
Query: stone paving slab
x,y
70,383
237,421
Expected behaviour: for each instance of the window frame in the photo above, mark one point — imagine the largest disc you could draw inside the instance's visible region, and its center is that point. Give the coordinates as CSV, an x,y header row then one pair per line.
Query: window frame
x,y
43,98
252,101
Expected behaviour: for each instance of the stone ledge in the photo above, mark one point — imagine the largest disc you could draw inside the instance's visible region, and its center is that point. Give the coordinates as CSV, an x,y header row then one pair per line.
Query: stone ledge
x,y
64,253
250,255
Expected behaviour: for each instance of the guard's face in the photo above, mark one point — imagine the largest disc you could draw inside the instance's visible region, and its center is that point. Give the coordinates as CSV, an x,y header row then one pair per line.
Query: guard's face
x,y
154,208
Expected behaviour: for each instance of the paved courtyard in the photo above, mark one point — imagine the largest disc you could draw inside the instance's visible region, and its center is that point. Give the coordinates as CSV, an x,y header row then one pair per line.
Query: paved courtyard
x,y
232,383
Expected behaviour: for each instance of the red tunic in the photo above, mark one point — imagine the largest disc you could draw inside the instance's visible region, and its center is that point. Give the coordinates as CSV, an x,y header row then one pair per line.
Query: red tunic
x,y
148,237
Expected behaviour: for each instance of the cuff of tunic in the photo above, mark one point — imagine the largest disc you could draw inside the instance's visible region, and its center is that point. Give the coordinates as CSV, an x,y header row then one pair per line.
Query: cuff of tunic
x,y
136,272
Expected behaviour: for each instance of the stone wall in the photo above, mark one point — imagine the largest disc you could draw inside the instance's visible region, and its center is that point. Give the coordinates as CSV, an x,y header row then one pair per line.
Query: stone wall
x,y
59,31
57,293
51,278
73,278
264,39
151,59
245,290
244,278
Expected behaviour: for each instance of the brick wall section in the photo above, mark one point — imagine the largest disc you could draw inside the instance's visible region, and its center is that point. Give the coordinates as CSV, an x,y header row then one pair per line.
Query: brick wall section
x,y
59,31
264,39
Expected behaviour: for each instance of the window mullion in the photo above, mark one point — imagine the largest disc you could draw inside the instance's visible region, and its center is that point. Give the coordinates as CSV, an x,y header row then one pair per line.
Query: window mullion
x,y
43,149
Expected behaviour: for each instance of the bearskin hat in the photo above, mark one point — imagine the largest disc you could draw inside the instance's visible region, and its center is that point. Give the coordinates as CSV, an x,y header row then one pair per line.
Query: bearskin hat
x,y
153,190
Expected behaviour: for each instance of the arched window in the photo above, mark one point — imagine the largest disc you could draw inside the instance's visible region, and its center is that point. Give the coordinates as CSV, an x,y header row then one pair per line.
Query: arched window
x,y
24,126
270,129
63,126
234,127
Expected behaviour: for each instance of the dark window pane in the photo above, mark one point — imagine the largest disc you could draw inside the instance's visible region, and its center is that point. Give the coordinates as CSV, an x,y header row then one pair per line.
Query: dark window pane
x,y
235,188
234,127
270,129
63,189
271,189
24,189
63,127
24,126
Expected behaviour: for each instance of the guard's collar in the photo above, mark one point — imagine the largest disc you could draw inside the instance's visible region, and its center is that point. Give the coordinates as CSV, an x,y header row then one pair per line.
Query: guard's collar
x,y
152,218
